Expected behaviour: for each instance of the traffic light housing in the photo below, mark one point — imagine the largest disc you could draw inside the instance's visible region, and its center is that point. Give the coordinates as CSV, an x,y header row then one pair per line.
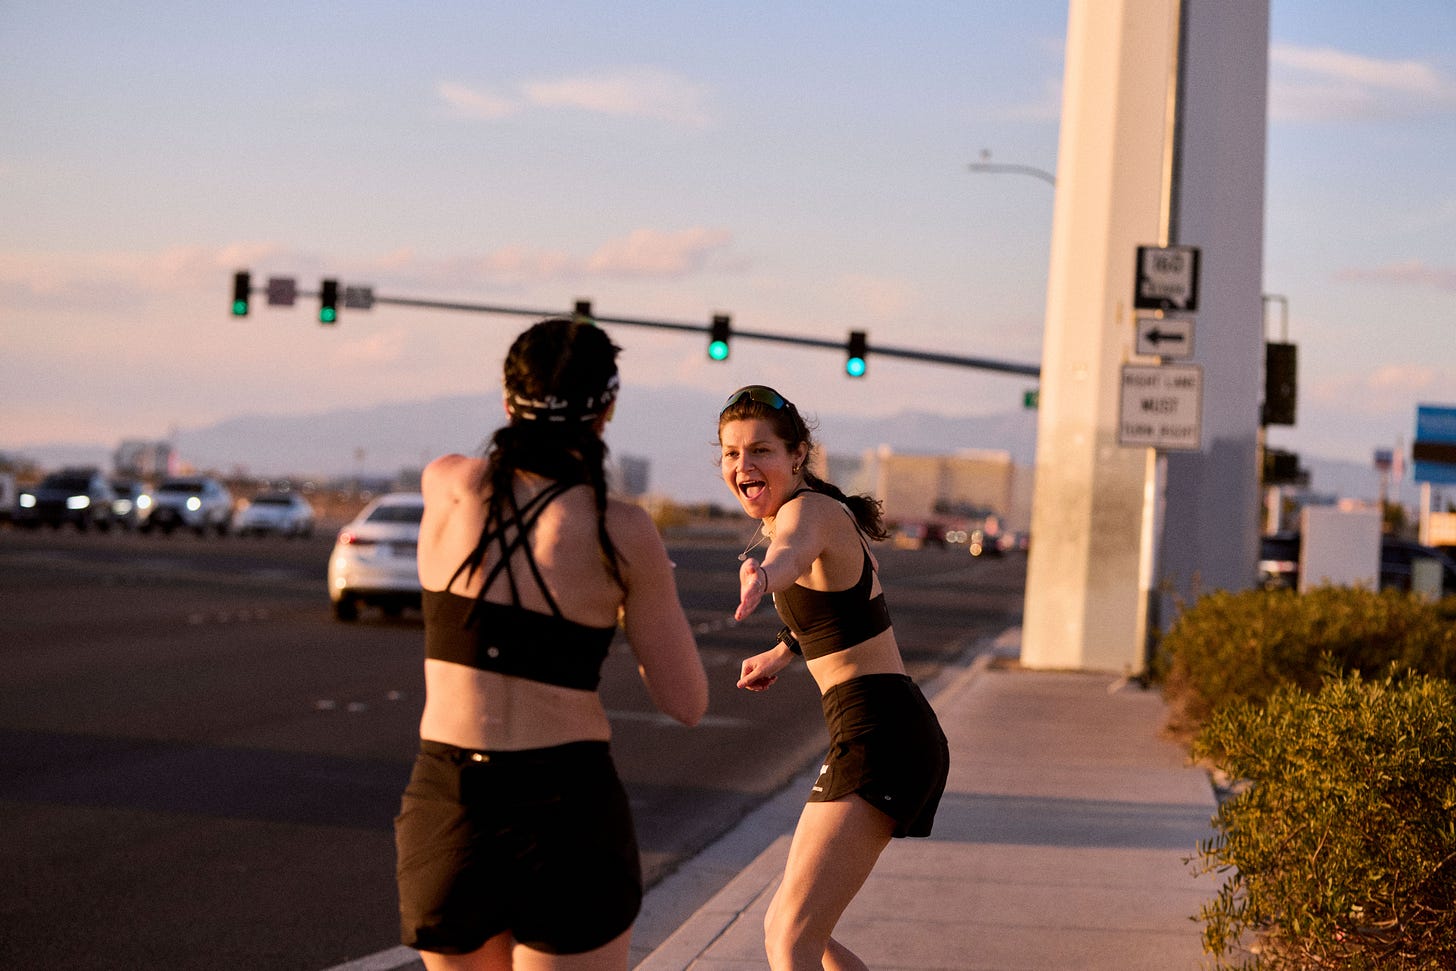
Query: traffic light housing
x,y
718,338
1279,384
1282,468
857,350
329,302
242,290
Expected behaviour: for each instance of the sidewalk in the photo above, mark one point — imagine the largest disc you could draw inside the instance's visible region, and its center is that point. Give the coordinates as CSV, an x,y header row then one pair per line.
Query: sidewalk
x,y
1060,844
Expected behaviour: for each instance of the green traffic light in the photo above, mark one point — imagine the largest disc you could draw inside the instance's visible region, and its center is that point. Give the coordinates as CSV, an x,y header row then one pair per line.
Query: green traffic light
x,y
329,302
855,367
242,291
718,350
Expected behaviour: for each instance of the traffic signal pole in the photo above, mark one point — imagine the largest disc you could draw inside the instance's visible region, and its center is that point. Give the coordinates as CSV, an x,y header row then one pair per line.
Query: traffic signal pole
x,y
370,299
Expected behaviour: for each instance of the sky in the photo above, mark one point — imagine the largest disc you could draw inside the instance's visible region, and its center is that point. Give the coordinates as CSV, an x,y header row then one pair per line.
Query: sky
x,y
801,167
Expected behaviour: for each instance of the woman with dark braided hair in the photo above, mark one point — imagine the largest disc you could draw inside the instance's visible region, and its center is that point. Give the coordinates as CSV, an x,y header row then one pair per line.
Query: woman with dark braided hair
x,y
515,843
888,759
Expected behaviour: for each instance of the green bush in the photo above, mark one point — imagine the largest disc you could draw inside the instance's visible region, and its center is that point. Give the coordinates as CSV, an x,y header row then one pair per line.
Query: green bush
x,y
1342,848
1241,646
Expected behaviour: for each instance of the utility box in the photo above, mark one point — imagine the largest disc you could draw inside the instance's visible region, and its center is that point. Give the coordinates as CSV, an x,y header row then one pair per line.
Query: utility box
x,y
1339,547
1426,577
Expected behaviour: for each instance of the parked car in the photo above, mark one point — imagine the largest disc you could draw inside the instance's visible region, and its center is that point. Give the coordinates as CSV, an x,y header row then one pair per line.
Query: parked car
x,y
374,561
1279,562
79,496
9,493
282,513
199,503
131,502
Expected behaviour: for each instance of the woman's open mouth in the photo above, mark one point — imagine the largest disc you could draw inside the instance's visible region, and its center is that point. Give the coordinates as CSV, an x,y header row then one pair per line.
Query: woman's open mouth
x,y
751,489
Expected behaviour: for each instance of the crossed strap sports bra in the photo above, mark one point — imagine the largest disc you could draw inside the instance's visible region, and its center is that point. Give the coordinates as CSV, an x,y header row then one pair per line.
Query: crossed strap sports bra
x,y
508,638
826,622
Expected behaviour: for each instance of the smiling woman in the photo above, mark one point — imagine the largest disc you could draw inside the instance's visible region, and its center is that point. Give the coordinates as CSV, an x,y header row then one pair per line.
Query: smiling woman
x,y
888,759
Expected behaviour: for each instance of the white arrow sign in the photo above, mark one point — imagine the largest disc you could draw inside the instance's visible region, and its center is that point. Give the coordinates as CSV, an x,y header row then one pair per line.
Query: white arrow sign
x,y
1167,337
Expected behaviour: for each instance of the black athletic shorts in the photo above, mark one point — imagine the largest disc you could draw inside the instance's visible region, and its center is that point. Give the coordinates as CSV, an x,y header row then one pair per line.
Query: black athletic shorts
x,y
539,843
886,745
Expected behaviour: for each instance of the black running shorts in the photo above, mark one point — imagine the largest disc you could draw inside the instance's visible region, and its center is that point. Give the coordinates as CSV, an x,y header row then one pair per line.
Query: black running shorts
x,y
539,843
885,745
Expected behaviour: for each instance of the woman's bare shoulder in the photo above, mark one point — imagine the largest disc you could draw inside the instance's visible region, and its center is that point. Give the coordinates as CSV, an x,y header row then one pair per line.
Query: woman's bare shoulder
x,y
629,522
453,471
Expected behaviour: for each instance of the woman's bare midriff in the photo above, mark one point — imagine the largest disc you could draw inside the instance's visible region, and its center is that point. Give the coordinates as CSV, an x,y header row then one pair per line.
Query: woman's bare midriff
x,y
475,709
878,655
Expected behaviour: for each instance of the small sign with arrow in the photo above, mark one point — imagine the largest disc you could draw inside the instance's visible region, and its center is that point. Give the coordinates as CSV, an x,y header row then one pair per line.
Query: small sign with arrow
x,y
1166,337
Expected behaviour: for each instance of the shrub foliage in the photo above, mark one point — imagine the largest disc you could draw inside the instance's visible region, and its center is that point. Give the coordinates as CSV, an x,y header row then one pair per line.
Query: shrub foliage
x,y
1342,850
1241,646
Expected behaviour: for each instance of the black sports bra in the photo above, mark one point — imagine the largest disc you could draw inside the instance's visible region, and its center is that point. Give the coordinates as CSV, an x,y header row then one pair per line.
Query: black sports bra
x,y
508,638
828,621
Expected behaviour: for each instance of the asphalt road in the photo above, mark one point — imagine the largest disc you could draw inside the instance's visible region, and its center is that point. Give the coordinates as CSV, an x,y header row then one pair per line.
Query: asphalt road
x,y
199,767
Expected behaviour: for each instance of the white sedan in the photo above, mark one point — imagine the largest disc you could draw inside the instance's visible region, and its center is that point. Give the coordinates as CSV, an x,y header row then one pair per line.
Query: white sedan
x,y
374,559
283,513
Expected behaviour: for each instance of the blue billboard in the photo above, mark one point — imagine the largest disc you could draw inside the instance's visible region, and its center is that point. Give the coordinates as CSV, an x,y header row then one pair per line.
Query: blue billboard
x,y
1434,450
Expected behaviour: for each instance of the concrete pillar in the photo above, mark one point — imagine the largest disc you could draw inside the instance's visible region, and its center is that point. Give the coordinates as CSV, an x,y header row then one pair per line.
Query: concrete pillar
x,y
1211,530
1088,566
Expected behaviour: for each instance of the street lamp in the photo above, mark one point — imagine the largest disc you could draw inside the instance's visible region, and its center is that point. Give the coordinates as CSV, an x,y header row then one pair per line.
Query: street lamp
x,y
985,165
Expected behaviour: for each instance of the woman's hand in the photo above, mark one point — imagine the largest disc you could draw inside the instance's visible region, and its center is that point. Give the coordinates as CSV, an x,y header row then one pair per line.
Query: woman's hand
x,y
762,670
752,585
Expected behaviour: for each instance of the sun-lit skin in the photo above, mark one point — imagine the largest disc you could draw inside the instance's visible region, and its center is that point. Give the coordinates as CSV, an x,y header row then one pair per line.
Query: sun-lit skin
x,y
759,467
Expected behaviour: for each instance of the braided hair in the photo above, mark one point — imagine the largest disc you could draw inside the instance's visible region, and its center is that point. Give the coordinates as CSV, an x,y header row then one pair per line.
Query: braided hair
x,y
791,427
560,379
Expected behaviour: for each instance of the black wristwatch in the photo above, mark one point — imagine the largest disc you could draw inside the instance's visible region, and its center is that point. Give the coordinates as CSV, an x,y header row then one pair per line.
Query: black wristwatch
x,y
790,641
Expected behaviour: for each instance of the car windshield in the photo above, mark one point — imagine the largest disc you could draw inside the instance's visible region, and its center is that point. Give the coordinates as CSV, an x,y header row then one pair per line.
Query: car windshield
x,y
397,514
191,487
273,501
74,482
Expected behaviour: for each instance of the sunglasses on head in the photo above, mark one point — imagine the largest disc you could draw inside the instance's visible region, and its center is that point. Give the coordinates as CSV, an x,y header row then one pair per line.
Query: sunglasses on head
x,y
756,392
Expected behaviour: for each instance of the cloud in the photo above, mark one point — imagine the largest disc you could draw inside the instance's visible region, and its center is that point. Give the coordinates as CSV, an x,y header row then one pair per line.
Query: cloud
x,y
649,253
630,93
1413,273
1386,389
471,103
373,350
633,93
878,298
108,281
653,253
1323,84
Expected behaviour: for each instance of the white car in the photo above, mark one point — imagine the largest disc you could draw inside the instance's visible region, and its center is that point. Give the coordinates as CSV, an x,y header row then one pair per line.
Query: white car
x,y
199,503
374,560
283,513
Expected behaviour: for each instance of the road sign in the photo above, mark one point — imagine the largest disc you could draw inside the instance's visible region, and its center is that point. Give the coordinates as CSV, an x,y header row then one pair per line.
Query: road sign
x,y
1170,337
281,291
359,298
1167,278
1162,406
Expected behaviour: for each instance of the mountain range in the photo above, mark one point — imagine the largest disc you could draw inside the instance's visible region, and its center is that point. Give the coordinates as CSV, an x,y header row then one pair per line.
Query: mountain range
x,y
671,428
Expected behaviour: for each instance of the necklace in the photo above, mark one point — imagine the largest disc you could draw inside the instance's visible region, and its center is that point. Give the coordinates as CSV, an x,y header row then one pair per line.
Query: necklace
x,y
761,537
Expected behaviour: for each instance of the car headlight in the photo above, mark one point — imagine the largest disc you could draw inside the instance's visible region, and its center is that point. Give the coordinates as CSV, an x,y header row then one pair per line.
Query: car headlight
x,y
194,504
27,501
78,502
